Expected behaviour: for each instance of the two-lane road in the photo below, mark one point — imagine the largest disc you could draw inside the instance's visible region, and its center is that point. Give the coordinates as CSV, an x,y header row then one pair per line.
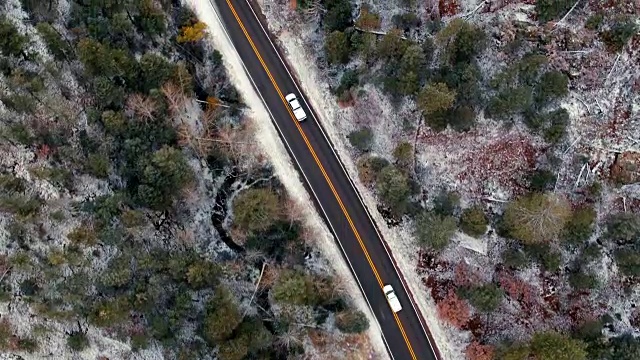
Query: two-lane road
x,y
404,334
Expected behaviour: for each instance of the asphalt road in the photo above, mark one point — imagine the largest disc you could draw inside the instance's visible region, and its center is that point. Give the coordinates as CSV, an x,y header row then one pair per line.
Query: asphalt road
x,y
404,334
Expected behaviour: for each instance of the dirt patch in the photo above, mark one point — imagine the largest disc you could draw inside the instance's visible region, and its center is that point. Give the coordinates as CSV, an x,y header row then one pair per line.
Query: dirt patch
x,y
341,347
626,168
477,158
448,7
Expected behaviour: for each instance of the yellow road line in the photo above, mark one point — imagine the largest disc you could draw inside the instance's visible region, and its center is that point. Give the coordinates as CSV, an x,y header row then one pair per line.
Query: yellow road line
x,y
324,173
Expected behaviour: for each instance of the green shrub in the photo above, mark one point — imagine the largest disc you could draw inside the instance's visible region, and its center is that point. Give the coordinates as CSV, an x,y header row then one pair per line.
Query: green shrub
x,y
12,184
57,46
551,125
434,231
555,346
29,345
294,287
361,139
579,280
369,167
510,102
77,341
473,221
163,176
623,228
580,226
549,259
552,9
132,218
119,273
348,80
352,321
619,34
462,40
58,176
20,103
624,347
470,41
553,85
29,287
202,274
256,209
591,252
435,97
12,43
110,95
403,155
462,118
139,341
338,15
541,180
21,133
21,205
628,261
515,258
594,21
276,241
98,165
155,70
393,189
446,203
83,235
412,70
110,312
391,47
485,298
222,317
337,48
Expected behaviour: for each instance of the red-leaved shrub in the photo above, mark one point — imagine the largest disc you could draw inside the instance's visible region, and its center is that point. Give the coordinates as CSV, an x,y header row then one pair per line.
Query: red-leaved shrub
x,y
454,310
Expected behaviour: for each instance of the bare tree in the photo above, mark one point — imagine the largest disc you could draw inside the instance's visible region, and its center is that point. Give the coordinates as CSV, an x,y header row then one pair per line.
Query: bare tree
x,y
254,255
142,106
293,210
289,338
313,10
175,97
433,8
537,217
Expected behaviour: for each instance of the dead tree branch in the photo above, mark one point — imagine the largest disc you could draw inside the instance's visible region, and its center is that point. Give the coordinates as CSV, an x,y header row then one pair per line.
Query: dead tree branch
x,y
380,33
482,4
264,265
615,63
567,14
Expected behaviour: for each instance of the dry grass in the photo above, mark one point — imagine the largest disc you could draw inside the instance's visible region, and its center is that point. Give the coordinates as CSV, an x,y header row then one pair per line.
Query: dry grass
x,y
339,346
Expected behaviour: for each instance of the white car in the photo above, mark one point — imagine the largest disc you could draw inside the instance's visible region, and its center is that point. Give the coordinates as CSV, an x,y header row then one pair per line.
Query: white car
x,y
295,107
392,298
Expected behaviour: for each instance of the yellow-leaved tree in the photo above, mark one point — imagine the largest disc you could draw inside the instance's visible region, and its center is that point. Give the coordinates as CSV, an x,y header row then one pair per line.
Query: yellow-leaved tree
x,y
192,33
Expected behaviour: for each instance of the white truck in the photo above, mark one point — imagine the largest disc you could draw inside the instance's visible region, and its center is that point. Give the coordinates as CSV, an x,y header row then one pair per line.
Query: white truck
x,y
296,107
394,303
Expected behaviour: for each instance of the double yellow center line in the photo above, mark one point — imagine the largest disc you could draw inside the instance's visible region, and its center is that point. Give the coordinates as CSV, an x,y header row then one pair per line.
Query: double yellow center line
x,y
324,173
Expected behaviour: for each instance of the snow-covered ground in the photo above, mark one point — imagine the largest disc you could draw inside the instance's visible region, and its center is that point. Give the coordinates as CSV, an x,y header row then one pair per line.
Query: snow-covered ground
x,y
274,148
